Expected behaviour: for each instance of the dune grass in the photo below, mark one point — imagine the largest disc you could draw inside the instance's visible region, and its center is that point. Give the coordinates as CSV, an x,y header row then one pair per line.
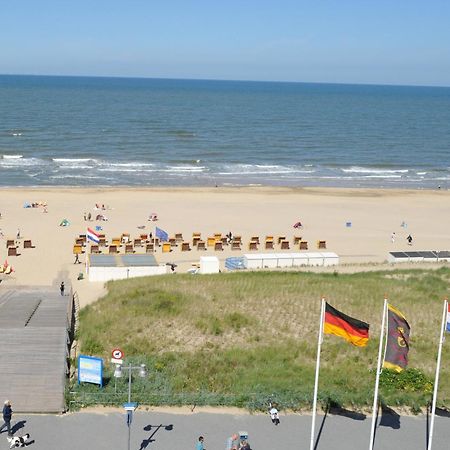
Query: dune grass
x,y
239,338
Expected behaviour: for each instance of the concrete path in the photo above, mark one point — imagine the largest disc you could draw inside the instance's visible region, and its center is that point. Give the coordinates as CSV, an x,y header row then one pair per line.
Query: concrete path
x,y
163,431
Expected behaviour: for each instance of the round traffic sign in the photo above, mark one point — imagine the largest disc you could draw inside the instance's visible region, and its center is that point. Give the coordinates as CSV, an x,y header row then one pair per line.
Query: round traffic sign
x,y
117,353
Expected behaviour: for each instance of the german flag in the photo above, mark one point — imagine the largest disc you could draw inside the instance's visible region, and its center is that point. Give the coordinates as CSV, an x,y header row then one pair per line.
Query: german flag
x,y
352,330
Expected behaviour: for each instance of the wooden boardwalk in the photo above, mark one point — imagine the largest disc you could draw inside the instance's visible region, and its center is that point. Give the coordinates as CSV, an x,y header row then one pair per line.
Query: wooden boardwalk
x,y
33,348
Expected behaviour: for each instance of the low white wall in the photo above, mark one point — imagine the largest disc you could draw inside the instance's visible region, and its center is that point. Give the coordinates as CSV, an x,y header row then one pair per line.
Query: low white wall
x,y
121,273
274,260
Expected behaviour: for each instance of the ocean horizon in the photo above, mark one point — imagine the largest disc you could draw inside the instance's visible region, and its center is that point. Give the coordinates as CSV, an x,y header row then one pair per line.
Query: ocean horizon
x,y
96,131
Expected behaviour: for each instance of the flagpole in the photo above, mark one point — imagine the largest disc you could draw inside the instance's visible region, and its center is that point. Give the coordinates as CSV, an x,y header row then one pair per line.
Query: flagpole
x,y
436,378
316,382
377,379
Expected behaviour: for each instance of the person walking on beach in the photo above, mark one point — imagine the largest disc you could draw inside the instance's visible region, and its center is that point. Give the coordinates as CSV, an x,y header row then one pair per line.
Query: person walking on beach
x,y
7,415
393,237
409,239
18,234
62,287
200,445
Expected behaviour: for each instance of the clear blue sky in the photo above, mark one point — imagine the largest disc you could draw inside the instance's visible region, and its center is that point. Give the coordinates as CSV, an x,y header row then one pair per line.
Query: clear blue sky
x,y
344,41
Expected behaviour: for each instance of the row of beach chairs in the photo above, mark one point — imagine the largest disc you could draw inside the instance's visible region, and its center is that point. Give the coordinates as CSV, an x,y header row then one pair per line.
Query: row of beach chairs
x,y
12,246
217,242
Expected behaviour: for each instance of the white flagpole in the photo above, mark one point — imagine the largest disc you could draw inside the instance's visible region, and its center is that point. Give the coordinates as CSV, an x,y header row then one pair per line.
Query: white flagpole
x,y
436,378
377,380
316,382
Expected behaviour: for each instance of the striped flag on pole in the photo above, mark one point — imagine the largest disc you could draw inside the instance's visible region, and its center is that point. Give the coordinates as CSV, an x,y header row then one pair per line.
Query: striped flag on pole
x,y
91,235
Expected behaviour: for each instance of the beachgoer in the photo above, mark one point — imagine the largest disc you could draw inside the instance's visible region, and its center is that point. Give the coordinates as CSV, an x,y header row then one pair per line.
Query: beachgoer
x,y
409,239
85,216
77,259
244,445
62,287
233,442
18,233
89,217
393,237
7,415
200,443
274,415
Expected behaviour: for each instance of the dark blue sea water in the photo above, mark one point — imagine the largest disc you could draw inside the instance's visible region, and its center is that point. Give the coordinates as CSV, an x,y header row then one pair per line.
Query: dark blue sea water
x,y
148,132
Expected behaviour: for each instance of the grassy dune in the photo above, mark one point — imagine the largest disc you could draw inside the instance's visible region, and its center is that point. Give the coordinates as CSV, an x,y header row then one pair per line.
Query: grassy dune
x,y
239,338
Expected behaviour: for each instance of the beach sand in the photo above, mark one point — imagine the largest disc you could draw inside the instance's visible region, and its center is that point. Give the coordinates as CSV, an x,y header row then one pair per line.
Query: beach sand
x,y
374,215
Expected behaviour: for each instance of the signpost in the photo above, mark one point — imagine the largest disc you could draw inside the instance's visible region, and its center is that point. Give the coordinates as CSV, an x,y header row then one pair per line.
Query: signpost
x,y
117,356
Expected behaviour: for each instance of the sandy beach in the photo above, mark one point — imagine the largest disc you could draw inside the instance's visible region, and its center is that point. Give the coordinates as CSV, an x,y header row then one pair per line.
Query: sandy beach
x,y
374,215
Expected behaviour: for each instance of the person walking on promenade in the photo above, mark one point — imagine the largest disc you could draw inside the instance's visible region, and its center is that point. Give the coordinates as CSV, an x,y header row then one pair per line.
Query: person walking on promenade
x,y
7,414
61,287
200,445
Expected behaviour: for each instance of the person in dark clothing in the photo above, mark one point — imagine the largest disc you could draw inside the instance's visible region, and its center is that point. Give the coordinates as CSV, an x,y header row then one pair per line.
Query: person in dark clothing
x,y
409,239
7,414
61,287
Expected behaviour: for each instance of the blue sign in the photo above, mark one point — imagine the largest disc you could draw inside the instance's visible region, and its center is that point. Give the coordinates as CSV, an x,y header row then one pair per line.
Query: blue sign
x,y
90,370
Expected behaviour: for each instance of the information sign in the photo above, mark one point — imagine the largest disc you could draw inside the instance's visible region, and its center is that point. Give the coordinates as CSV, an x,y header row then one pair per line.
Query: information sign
x,y
90,370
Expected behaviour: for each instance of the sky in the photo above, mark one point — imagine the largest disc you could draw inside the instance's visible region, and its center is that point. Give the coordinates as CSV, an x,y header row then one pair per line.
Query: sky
x,y
338,41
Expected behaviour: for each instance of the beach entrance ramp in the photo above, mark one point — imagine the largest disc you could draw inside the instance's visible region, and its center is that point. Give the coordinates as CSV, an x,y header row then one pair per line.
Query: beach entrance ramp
x,y
34,348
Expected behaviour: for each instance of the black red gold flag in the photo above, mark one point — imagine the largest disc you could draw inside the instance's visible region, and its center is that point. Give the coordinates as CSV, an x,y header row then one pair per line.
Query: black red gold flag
x,y
352,330
397,344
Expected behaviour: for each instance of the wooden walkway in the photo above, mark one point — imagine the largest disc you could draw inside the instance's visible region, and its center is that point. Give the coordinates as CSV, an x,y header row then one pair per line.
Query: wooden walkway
x,y
33,348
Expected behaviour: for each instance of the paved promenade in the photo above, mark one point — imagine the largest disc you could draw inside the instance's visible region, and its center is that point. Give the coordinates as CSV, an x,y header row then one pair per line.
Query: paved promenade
x,y
163,431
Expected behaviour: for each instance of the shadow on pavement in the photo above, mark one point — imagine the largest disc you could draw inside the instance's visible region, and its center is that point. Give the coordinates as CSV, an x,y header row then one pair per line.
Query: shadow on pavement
x,y
321,427
337,410
145,443
442,412
389,418
17,426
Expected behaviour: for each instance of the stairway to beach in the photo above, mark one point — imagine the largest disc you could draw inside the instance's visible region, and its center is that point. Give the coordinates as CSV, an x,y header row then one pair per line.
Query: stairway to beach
x,y
33,348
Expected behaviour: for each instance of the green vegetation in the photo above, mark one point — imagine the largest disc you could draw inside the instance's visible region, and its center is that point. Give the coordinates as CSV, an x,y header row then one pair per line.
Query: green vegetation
x,y
240,338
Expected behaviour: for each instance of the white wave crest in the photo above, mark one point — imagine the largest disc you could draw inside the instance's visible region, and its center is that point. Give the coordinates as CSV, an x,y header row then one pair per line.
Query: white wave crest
x,y
12,156
179,169
356,169
73,160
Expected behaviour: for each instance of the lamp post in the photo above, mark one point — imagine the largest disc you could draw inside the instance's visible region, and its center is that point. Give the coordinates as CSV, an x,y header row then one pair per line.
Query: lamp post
x,y
130,407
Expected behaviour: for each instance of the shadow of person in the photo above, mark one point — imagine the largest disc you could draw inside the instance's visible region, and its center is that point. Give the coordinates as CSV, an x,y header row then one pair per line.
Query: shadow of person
x,y
17,426
146,442
389,418
30,443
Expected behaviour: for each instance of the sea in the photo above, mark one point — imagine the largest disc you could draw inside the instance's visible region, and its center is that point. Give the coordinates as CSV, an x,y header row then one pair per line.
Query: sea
x,y
89,131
